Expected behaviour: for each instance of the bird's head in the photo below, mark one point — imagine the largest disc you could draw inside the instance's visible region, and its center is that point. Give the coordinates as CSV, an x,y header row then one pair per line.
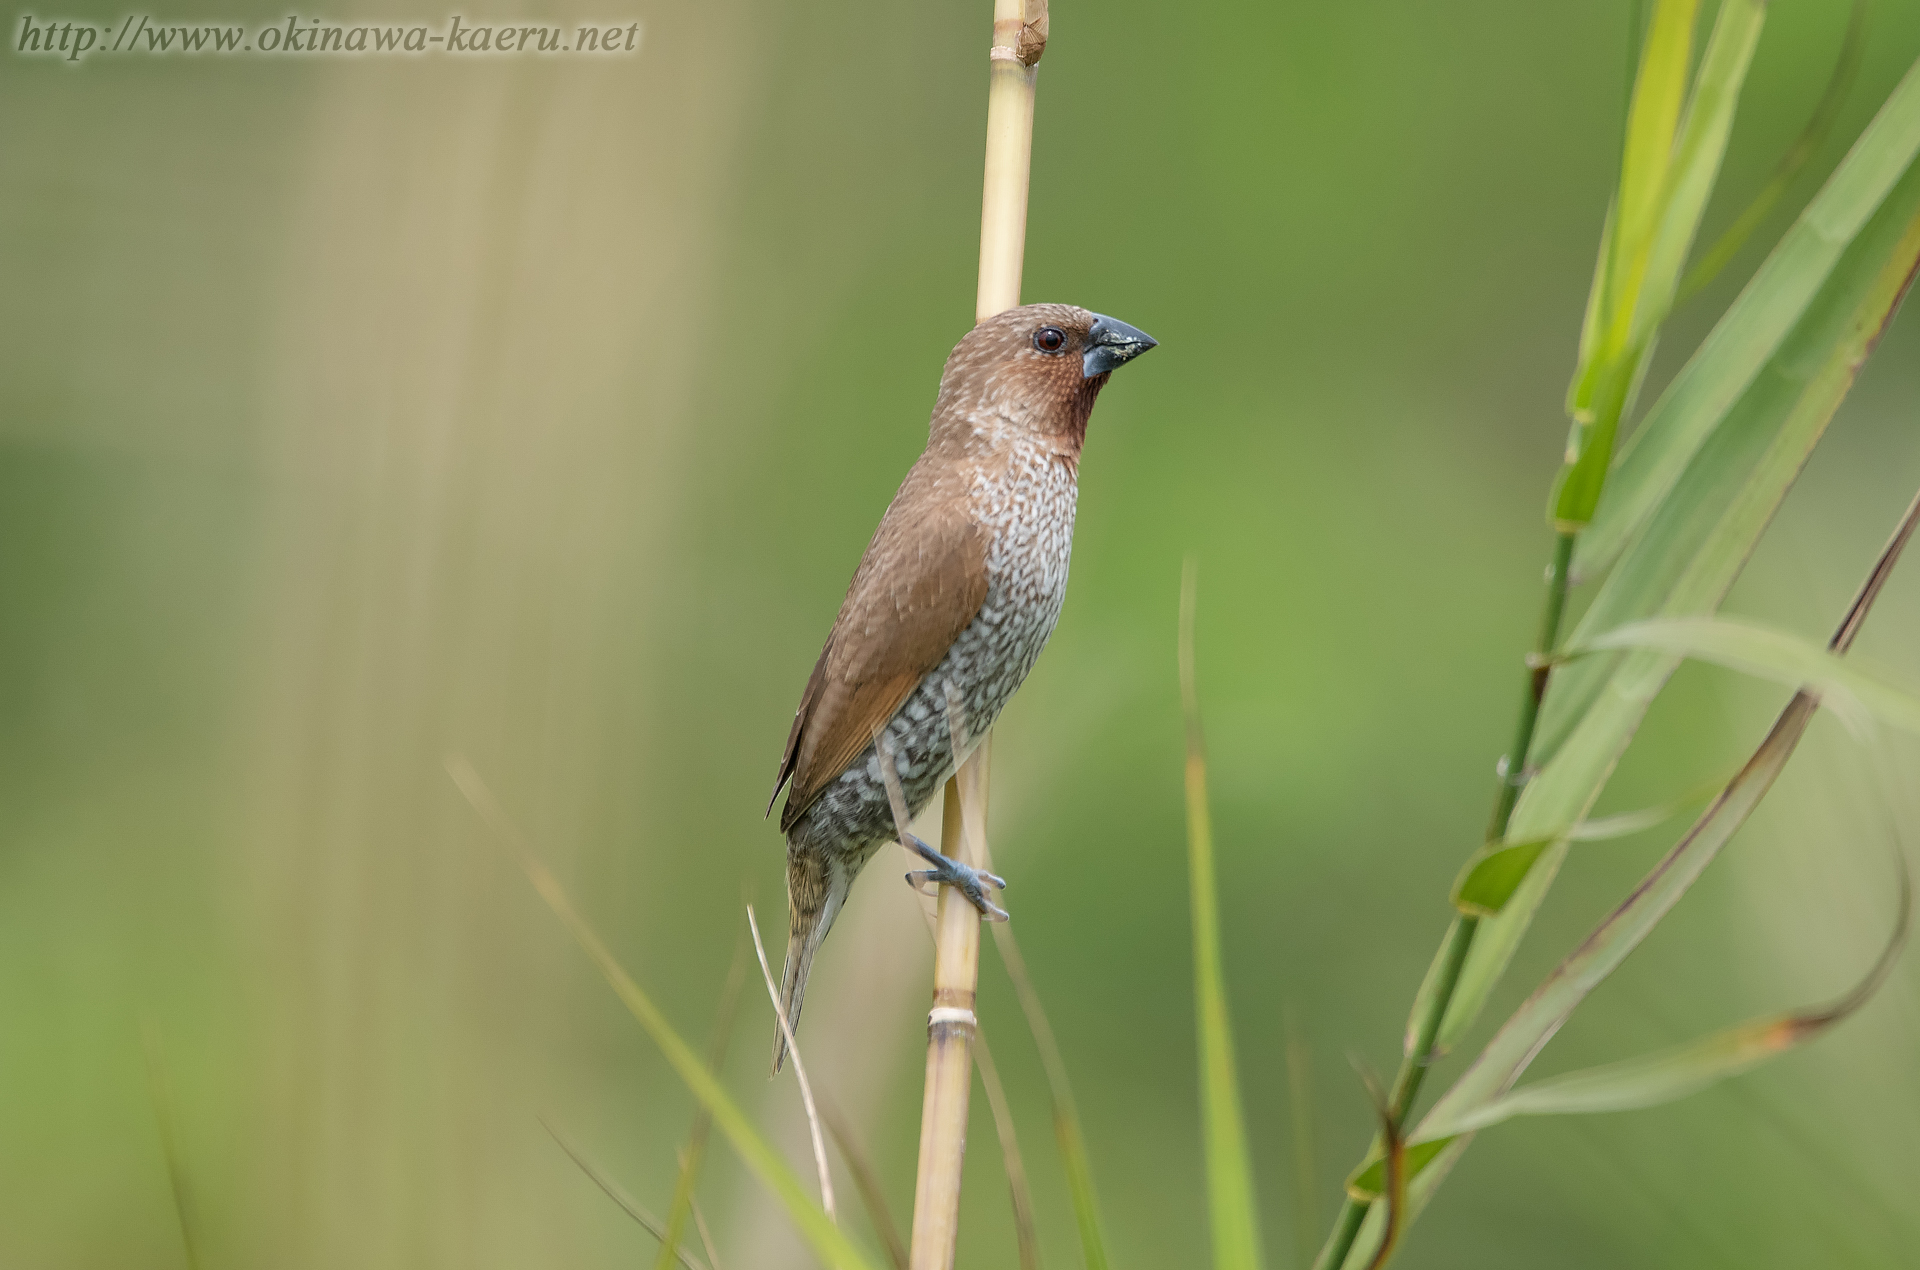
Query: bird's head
x,y
1034,369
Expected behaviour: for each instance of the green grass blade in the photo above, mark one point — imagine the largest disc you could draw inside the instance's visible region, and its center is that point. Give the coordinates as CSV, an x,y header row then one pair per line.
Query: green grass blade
x,y
1685,1069
1605,376
1230,1193
1658,91
1771,654
680,1211
832,1247
1733,356
1846,68
1650,284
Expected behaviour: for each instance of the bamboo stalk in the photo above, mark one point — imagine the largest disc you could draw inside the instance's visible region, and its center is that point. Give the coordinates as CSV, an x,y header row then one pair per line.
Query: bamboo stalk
x,y
950,1028
1019,37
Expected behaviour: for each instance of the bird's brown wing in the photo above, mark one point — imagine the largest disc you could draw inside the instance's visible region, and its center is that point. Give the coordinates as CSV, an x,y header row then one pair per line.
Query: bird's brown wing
x,y
924,577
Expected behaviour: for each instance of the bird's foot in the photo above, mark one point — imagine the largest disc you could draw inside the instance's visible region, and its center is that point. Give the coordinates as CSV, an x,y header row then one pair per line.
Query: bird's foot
x,y
970,882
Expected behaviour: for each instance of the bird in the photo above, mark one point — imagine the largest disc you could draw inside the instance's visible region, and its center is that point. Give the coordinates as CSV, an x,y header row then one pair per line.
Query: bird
x,y
947,612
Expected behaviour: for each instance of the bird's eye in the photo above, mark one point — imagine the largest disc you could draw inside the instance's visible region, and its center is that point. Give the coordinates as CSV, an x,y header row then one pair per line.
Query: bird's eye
x,y
1049,339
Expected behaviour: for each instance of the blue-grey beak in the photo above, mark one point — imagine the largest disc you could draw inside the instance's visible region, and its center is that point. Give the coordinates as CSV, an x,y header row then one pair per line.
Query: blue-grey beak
x,y
1112,344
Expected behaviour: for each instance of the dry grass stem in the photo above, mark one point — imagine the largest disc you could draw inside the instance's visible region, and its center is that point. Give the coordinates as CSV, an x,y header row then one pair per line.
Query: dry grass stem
x,y
1019,38
867,1182
1394,1197
615,1192
706,1235
1024,1230
800,1071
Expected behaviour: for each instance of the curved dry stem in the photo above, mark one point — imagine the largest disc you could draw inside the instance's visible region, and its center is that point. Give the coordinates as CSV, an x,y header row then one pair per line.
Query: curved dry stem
x,y
800,1071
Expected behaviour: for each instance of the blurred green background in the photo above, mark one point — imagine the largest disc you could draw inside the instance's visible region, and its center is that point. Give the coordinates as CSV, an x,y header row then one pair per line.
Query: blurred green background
x,y
357,413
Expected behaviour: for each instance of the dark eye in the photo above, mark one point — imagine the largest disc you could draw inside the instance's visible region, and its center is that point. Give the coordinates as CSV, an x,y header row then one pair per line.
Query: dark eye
x,y
1049,339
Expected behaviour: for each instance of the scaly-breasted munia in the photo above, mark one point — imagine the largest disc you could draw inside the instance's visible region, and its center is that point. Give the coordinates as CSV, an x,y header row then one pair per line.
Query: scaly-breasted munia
x,y
950,606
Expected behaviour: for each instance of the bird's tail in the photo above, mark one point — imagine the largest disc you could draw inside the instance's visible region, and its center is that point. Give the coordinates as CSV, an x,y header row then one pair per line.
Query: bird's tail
x,y
816,888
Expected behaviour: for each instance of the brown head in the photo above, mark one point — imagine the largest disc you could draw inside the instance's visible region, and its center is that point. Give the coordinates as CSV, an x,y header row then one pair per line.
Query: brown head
x,y
1034,370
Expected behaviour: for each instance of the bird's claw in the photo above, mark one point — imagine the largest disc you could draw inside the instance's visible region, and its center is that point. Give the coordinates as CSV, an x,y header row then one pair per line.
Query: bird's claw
x,y
969,881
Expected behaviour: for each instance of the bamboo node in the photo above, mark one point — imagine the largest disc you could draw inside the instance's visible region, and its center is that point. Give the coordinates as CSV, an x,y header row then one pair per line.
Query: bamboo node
x,y
950,1014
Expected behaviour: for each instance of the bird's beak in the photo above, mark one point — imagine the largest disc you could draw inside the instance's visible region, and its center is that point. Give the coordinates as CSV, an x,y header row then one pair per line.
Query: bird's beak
x,y
1112,344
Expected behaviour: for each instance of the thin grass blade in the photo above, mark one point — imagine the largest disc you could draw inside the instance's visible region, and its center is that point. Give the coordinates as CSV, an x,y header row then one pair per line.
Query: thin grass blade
x,y
1066,1114
680,1211
1846,69
867,1182
826,1240
1026,1235
1230,1193
160,1090
1771,654
617,1193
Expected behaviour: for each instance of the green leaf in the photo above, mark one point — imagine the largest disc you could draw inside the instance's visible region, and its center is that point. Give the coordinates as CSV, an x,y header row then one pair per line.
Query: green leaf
x,y
832,1247
1230,1194
1370,1179
1688,558
1770,654
1493,873
1744,341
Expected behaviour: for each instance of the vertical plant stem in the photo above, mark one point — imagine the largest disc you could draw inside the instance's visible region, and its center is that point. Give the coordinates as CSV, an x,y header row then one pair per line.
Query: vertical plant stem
x,y
1019,37
1459,939
950,1028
